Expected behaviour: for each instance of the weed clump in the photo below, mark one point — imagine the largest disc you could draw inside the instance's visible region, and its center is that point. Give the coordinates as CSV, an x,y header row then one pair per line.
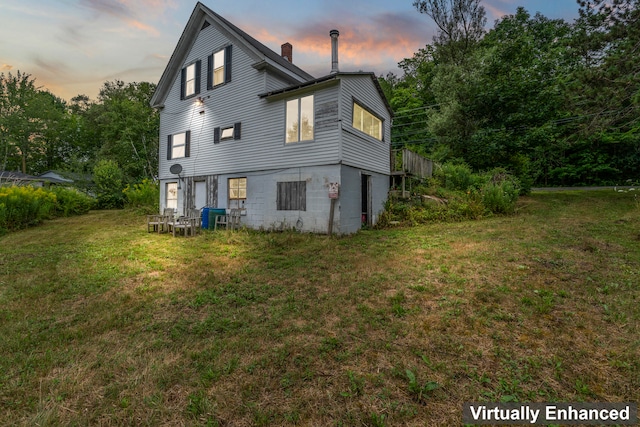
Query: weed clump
x,y
455,193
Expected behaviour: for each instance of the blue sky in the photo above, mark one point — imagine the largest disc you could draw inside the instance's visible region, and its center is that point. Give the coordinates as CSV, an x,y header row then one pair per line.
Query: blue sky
x,y
72,47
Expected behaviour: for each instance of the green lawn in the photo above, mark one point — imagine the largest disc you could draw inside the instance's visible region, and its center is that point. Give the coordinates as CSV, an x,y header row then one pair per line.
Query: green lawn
x,y
102,323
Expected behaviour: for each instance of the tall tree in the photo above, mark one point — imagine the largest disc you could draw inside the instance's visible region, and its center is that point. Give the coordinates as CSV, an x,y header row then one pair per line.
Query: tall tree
x,y
129,128
460,26
606,90
411,97
28,119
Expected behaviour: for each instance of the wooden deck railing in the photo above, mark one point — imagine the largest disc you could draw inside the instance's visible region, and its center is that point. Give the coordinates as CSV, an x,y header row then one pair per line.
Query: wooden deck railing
x,y
406,162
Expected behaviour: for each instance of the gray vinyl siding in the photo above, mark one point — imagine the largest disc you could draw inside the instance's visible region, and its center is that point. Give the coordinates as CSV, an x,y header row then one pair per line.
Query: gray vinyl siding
x,y
261,204
351,198
273,83
358,149
262,145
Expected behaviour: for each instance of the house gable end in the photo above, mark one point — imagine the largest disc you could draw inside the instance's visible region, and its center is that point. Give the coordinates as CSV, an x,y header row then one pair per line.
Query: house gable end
x,y
203,17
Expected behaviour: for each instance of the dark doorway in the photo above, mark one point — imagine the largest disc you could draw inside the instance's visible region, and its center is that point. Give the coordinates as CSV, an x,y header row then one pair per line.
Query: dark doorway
x,y
366,199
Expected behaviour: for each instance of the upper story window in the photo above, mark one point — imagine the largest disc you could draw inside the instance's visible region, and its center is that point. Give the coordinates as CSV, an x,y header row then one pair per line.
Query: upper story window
x,y
227,132
190,80
300,119
178,145
366,122
219,67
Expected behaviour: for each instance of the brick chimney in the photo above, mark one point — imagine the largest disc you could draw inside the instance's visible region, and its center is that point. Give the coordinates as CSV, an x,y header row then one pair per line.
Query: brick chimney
x,y
287,51
334,50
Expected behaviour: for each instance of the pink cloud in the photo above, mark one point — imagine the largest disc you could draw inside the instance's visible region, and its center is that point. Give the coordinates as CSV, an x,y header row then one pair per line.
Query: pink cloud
x,y
125,11
495,12
381,39
142,26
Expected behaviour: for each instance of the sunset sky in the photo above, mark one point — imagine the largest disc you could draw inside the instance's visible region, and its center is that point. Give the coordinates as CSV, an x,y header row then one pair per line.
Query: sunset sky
x,y
72,47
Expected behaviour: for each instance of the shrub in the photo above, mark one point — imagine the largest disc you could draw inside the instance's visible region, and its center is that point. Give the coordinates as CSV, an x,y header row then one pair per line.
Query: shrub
x,y
457,176
22,206
456,194
70,201
108,178
500,193
144,196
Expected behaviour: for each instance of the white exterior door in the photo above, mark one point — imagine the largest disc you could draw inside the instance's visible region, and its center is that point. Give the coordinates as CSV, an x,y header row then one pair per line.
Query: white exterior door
x,y
201,194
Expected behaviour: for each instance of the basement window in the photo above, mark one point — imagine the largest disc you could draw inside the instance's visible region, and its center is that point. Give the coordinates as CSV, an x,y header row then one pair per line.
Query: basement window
x,y
292,196
237,192
171,196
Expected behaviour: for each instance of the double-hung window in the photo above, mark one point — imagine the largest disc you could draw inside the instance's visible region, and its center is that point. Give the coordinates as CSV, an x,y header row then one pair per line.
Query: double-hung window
x,y
190,80
300,119
178,145
237,192
219,67
365,121
171,195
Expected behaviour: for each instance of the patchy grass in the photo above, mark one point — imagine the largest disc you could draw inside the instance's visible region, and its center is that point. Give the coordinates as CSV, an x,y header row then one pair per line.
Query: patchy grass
x,y
104,324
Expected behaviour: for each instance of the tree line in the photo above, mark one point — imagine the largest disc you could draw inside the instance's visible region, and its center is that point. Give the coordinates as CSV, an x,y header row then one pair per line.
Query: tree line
x,y
41,132
555,103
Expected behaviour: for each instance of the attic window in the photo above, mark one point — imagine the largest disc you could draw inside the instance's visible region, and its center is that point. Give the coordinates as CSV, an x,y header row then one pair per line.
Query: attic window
x,y
219,67
190,80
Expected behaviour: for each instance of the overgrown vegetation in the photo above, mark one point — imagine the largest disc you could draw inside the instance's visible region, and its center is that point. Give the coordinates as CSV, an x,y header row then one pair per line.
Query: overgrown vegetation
x,y
455,193
24,206
554,102
109,184
103,323
144,196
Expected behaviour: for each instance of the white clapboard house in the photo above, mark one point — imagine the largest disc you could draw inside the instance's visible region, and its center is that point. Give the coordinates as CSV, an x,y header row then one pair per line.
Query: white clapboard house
x,y
243,127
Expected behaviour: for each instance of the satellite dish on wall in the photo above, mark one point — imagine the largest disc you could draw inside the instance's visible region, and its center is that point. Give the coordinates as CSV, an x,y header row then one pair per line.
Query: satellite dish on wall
x,y
176,169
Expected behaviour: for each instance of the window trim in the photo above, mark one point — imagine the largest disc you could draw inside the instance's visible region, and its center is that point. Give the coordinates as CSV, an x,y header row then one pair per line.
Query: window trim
x,y
226,65
167,192
187,145
355,101
298,119
240,201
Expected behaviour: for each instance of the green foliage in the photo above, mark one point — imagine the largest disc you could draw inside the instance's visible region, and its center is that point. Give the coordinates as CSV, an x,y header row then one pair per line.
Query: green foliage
x,y
128,128
41,132
500,193
144,196
553,102
108,178
417,389
458,177
30,120
70,201
455,193
23,206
